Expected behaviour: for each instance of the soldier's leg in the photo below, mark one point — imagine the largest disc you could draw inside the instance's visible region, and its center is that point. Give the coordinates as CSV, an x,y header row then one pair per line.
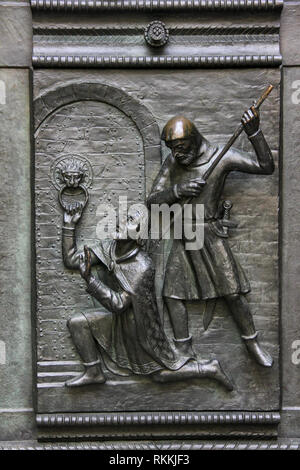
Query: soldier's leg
x,y
240,309
85,345
178,316
179,320
194,370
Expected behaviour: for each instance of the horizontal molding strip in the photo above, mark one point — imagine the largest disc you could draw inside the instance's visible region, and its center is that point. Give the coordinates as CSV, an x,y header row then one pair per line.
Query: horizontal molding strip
x,y
159,418
213,30
59,435
156,61
155,446
108,5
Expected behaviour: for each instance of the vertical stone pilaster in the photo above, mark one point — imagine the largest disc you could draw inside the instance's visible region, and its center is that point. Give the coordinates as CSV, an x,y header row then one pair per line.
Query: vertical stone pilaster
x,y
290,221
16,403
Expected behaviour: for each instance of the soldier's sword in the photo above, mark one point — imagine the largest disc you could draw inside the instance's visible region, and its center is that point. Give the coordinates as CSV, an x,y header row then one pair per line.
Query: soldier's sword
x,y
236,133
256,105
210,305
227,146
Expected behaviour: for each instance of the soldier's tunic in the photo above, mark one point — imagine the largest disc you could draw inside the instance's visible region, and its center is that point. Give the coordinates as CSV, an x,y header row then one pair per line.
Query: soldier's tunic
x,y
212,271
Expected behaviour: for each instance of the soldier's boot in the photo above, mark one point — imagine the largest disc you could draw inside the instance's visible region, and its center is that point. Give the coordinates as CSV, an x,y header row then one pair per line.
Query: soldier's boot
x,y
240,310
184,347
194,370
92,375
261,356
213,370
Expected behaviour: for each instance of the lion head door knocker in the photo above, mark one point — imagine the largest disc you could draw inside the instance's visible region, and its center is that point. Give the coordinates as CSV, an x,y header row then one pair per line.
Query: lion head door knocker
x,y
72,175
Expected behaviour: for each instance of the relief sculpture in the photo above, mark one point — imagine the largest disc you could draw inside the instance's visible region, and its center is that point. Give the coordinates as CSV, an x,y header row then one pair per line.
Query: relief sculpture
x,y
150,278
129,333
125,331
196,171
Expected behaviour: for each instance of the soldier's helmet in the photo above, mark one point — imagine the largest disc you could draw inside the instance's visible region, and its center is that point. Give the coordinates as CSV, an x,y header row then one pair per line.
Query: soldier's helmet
x,y
179,127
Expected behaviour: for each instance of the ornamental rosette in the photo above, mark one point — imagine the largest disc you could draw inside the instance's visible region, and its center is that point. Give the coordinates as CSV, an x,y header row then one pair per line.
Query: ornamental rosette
x,y
156,34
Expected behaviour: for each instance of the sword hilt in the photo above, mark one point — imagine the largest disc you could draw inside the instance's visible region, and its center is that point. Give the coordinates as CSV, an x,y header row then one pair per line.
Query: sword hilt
x,y
226,222
227,205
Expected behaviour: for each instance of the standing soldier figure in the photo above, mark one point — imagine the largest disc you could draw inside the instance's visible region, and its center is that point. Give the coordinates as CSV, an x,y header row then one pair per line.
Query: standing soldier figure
x,y
213,271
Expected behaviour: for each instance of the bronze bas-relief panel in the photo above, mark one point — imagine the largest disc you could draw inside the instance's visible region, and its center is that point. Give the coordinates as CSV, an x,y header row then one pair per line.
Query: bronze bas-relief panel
x,y
112,140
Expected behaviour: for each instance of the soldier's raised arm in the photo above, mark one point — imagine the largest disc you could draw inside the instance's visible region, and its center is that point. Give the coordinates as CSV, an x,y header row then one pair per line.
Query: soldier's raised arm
x,y
262,162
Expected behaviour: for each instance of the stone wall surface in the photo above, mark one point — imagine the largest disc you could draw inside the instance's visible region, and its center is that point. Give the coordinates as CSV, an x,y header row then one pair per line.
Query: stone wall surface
x,y
16,286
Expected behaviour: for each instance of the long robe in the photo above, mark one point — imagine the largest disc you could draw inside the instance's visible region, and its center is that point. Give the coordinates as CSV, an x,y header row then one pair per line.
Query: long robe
x,y
129,330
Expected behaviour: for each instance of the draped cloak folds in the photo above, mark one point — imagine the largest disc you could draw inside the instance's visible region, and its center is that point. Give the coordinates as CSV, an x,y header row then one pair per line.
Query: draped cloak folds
x,y
131,335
